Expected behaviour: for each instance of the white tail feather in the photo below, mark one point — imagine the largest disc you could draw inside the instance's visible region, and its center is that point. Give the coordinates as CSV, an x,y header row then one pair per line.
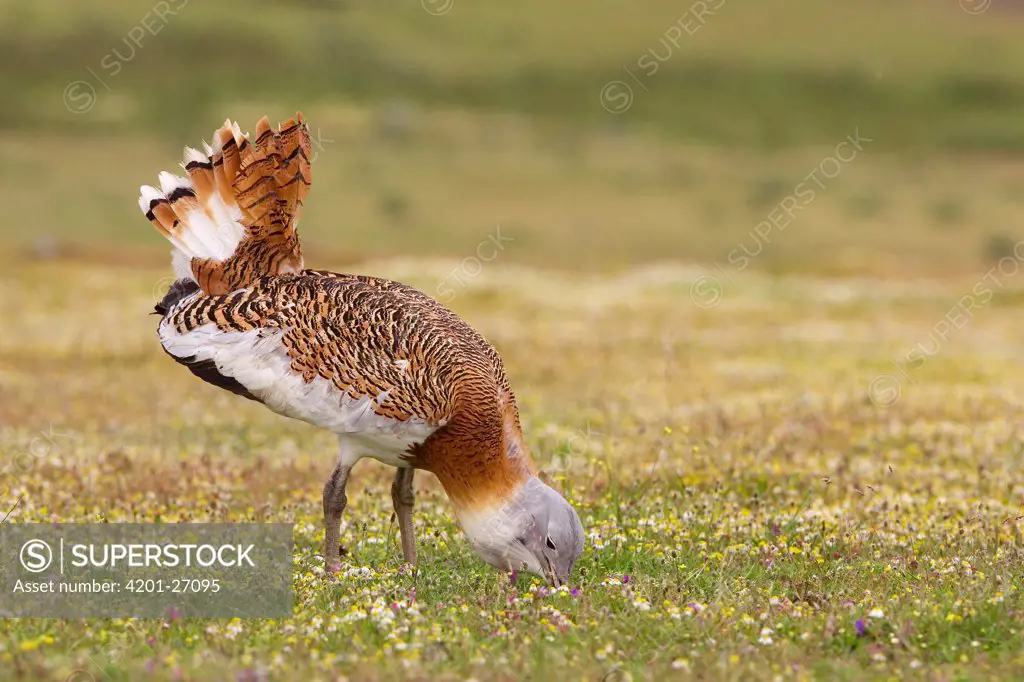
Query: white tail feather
x,y
200,224
181,264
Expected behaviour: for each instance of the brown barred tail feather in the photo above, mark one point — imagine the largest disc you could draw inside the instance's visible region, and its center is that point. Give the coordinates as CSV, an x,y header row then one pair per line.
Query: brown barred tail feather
x,y
235,218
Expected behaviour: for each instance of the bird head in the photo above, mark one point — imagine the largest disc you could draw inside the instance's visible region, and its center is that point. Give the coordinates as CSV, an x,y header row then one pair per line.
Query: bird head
x,y
535,530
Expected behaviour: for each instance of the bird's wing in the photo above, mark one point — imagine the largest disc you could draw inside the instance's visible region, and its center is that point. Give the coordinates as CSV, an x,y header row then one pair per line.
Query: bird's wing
x,y
345,353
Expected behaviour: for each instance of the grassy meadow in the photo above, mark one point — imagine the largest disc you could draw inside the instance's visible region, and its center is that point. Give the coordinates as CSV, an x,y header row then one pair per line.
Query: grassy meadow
x,y
757,504
776,371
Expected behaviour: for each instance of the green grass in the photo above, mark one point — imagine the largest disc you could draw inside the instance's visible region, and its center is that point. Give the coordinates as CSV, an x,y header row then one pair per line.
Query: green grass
x,y
768,74
436,129
728,460
576,200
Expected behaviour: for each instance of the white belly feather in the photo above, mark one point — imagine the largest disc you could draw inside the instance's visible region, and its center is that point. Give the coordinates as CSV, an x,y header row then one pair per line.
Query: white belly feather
x,y
261,364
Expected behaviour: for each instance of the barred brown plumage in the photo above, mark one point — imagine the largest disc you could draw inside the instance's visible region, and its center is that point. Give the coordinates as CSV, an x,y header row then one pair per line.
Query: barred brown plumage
x,y
399,377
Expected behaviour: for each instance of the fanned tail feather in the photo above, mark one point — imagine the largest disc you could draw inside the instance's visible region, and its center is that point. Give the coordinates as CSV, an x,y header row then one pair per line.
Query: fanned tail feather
x,y
234,218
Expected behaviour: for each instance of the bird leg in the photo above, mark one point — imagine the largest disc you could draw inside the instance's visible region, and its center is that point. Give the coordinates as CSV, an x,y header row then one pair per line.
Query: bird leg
x,y
334,506
403,498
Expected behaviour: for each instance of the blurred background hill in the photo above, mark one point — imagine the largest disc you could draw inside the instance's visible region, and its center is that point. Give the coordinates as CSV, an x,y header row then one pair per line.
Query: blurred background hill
x,y
597,135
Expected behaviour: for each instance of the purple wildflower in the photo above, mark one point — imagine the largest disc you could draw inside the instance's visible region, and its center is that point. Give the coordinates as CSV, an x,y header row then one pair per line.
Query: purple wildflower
x,y
626,580
861,627
575,592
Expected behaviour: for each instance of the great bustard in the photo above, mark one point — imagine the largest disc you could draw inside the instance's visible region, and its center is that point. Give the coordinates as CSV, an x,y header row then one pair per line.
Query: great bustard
x,y
399,377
